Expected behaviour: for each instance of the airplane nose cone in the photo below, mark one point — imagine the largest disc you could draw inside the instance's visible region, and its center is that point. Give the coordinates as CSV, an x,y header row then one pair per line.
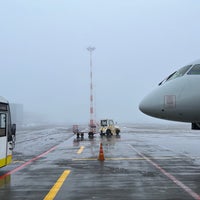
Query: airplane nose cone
x,y
146,107
151,106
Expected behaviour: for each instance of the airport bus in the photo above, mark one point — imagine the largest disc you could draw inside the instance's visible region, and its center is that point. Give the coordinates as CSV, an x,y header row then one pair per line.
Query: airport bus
x,y
7,133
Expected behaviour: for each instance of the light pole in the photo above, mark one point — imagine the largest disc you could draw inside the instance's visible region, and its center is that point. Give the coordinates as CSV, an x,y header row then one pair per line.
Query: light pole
x,y
92,122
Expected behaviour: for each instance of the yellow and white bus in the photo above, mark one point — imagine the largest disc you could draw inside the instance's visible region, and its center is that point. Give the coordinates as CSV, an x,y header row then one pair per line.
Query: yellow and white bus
x,y
7,133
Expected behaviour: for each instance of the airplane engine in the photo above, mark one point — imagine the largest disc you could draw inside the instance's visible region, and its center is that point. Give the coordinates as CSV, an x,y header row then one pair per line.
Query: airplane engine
x,y
195,126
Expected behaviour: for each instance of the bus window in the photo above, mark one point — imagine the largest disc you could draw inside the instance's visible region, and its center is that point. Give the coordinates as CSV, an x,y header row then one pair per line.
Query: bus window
x,y
2,124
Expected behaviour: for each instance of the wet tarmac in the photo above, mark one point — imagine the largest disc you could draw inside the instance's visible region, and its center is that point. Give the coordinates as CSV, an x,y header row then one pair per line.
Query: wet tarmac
x,y
145,162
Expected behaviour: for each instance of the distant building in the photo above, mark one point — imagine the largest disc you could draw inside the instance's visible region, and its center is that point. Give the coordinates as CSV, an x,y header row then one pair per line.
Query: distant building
x,y
17,113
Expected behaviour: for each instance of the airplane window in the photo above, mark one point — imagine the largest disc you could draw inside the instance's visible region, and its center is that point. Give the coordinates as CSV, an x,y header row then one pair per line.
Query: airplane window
x,y
166,78
195,70
176,74
179,73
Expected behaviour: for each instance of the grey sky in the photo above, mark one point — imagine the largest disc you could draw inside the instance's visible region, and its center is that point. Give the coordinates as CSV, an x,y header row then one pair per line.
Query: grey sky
x,y
44,63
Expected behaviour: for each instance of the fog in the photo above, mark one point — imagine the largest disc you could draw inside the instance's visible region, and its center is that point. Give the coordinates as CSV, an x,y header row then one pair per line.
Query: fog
x,y
44,61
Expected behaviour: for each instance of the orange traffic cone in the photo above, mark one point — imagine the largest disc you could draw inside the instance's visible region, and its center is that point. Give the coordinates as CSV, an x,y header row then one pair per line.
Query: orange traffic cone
x,y
101,154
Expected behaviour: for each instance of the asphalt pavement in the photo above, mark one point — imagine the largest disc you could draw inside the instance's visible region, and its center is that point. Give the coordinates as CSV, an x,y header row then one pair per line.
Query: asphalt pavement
x,y
145,162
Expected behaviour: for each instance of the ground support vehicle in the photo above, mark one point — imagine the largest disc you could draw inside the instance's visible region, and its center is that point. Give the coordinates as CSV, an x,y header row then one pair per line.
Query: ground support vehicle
x,y
108,127
77,132
91,132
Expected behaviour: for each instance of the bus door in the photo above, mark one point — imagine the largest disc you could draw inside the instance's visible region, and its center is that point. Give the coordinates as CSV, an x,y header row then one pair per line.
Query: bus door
x,y
3,139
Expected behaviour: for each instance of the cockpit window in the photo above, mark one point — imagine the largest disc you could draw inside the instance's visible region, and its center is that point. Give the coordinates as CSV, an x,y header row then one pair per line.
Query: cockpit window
x,y
195,70
179,73
176,74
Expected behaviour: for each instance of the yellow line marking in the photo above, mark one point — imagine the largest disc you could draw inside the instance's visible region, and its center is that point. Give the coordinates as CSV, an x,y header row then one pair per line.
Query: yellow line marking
x,y
88,159
80,150
84,159
135,158
18,161
54,190
124,158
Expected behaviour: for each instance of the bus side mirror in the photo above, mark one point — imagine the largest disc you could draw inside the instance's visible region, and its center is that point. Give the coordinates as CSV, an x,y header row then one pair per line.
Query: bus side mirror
x,y
13,129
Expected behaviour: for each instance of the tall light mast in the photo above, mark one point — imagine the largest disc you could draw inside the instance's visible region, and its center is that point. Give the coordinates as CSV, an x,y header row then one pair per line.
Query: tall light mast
x,y
92,121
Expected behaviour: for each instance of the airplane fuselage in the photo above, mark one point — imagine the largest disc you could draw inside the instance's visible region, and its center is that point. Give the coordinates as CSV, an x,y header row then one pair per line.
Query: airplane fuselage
x,y
176,99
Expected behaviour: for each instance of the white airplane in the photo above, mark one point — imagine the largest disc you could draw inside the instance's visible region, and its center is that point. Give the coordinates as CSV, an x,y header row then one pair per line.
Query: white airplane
x,y
177,97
